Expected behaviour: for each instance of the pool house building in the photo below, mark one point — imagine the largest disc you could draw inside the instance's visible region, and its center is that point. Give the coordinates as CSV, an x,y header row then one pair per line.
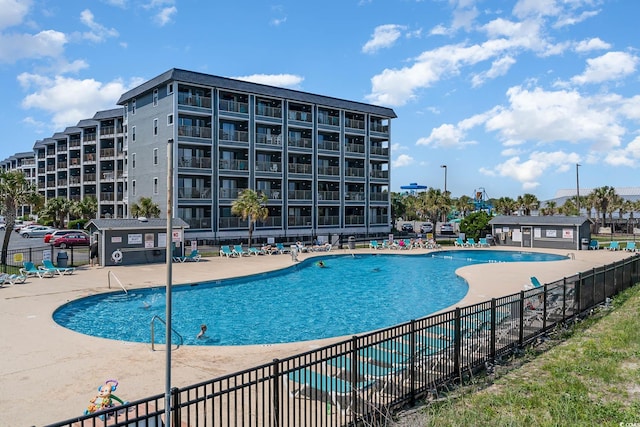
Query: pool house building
x,y
323,162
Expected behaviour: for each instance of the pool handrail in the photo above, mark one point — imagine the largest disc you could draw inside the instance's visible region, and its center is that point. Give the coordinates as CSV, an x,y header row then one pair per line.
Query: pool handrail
x,y
153,335
111,273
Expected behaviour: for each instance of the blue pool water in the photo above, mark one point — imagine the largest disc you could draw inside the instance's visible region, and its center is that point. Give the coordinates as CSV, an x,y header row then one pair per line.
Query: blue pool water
x,y
303,302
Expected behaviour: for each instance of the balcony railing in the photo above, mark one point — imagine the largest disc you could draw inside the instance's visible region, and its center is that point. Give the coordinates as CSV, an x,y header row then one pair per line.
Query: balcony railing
x,y
234,165
110,130
262,138
41,185
353,123
299,194
328,220
298,221
234,106
75,197
354,148
107,152
329,170
272,221
380,151
51,168
378,127
106,196
198,222
301,116
379,197
328,195
236,136
62,182
230,193
379,174
233,222
194,100
323,119
91,157
380,220
274,194
194,193
300,142
300,168
354,220
354,195
74,180
62,165
108,176
268,166
90,177
267,110
51,184
74,161
357,172
329,145
195,131
195,162
87,137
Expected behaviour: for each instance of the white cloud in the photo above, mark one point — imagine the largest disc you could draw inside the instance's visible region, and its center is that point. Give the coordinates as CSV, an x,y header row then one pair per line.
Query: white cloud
x,y
565,20
446,135
278,21
591,44
13,12
498,68
165,15
69,100
535,8
610,66
627,156
98,32
383,36
402,160
281,80
47,43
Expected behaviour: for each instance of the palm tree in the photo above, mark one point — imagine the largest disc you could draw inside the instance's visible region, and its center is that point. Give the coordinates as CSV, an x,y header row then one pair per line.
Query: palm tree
x,y
505,205
568,208
252,206
528,202
602,197
550,208
85,208
464,205
15,191
145,208
56,210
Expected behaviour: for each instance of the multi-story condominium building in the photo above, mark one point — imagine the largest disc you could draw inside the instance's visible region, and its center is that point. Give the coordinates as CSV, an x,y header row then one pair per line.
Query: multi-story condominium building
x,y
322,162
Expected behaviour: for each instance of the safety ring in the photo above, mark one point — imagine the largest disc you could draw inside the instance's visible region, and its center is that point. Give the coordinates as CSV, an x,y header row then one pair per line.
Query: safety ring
x,y
117,256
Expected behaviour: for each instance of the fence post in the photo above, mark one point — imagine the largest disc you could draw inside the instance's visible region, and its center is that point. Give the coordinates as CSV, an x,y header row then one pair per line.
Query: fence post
x,y
412,368
544,307
175,400
492,354
457,342
521,314
276,392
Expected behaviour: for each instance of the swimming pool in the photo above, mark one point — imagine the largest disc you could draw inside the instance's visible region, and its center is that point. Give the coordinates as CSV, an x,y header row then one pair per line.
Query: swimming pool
x,y
352,295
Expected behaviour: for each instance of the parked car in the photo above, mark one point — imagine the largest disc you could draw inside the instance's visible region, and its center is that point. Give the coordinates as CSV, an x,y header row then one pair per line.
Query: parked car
x,y
427,227
407,227
3,226
19,225
36,231
446,228
49,238
73,239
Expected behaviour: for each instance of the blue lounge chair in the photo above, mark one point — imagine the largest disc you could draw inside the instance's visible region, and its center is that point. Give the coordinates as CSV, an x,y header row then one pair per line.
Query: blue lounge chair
x,y
225,250
535,282
48,266
16,278
255,251
281,249
239,251
373,244
459,242
482,243
614,246
315,385
593,244
631,247
30,270
471,242
193,256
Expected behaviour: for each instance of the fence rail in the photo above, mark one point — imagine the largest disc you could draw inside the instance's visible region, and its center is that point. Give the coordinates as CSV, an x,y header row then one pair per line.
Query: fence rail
x,y
367,377
14,259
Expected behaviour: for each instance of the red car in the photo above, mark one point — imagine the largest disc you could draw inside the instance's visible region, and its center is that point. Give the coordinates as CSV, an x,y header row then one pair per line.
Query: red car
x,y
49,238
68,240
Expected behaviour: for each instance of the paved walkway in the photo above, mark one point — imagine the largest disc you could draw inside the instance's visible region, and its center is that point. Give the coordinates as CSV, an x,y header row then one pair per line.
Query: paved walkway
x,y
49,373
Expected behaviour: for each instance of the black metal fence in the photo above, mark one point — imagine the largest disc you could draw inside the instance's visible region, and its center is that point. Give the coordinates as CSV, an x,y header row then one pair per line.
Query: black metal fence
x,y
365,378
15,259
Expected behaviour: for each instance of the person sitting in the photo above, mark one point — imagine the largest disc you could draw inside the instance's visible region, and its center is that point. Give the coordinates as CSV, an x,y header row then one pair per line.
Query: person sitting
x,y
318,247
301,247
203,330
266,248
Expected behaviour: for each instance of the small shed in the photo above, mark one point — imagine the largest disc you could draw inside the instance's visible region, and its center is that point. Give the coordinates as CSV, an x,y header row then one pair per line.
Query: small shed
x,y
552,231
135,241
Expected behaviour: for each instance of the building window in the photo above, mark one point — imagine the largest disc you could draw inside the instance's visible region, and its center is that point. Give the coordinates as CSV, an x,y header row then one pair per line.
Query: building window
x,y
133,187
155,156
155,185
169,119
155,126
155,97
133,160
133,134
169,88
133,106
126,110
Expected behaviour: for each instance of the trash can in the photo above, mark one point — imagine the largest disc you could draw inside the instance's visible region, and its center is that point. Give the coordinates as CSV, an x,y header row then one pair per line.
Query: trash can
x,y
584,244
490,241
62,259
352,242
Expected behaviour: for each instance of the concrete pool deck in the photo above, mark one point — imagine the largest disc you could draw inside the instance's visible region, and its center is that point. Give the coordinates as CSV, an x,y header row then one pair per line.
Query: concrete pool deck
x,y
49,373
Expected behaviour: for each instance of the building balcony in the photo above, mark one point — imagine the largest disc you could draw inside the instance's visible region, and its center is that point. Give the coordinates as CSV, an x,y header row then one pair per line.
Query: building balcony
x,y
379,174
110,130
195,162
195,131
107,196
230,193
299,194
267,166
262,138
270,222
74,180
198,223
301,116
194,193
268,111
41,185
75,197
353,123
323,119
379,127
328,195
51,184
300,142
89,177
51,168
299,221
234,106
379,197
329,145
74,161
304,168
379,151
194,100
90,157
329,170
108,176
354,220
274,194
237,136
354,172
62,165
233,165
107,152
380,220
328,220
62,182
354,195
232,222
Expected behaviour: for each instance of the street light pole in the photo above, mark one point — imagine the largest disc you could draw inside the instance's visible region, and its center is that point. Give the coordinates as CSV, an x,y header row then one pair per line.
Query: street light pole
x,y
445,177
169,260
578,188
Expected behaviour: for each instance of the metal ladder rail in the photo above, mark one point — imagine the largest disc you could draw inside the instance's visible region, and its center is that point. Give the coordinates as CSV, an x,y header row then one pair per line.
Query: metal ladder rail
x,y
153,319
111,273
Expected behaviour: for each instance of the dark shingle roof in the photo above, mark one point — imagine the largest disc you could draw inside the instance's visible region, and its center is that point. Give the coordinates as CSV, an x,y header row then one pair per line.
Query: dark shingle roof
x,y
559,220
108,114
243,86
133,224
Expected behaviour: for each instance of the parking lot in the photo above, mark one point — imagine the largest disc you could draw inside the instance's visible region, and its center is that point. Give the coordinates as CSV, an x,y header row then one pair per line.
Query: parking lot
x,y
34,248
422,228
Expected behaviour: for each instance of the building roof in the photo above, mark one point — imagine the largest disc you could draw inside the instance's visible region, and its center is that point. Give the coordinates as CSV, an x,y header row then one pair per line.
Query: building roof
x,y
620,191
108,114
134,224
560,220
242,86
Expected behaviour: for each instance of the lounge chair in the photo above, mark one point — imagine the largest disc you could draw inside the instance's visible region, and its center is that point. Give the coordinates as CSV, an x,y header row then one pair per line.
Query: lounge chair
x,y
534,284
318,386
482,243
631,247
193,256
47,265
614,246
255,251
239,251
225,250
281,249
373,244
470,243
30,270
594,244
459,242
16,278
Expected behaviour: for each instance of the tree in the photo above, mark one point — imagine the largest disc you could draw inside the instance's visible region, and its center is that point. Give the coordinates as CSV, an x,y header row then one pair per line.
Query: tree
x,y
15,191
474,224
505,205
397,207
56,210
86,208
550,208
602,197
145,208
528,202
252,206
464,205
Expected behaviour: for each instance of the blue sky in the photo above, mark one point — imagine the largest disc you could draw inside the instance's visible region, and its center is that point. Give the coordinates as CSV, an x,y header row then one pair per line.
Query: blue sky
x,y
510,95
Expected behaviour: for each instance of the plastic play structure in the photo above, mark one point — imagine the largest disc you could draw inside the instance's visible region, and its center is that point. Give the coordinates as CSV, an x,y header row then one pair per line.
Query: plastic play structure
x,y
104,399
481,201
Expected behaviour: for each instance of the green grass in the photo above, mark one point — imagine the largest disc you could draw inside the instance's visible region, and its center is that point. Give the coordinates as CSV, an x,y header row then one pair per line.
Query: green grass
x,y
591,378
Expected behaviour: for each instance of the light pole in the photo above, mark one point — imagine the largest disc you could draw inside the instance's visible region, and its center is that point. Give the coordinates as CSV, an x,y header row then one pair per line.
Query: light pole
x,y
577,189
169,260
445,177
